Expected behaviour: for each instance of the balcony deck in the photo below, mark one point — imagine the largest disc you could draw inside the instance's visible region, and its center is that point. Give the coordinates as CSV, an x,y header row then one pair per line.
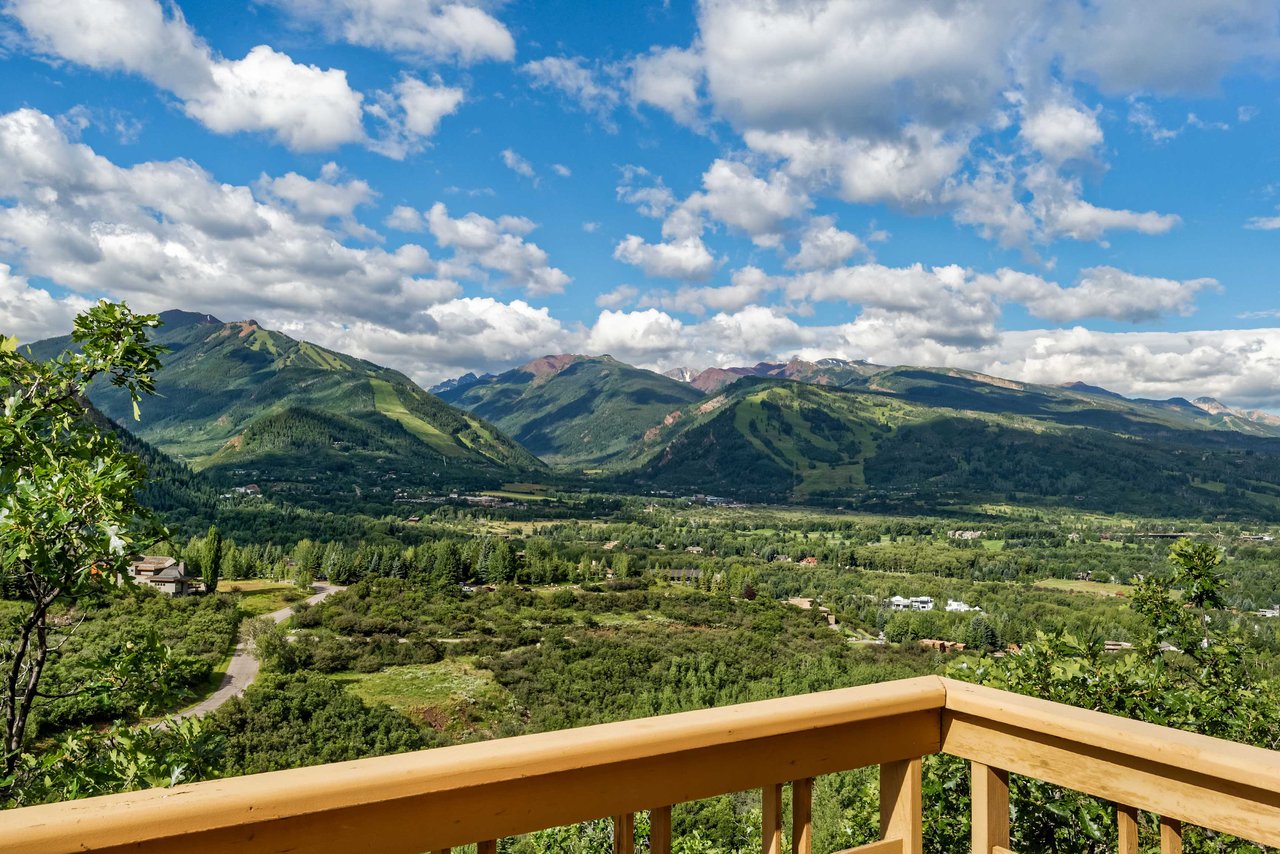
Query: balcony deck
x,y
477,793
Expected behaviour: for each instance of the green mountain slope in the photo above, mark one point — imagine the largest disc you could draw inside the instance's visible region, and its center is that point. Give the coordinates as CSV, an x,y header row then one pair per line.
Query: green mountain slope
x,y
574,409
897,444
260,406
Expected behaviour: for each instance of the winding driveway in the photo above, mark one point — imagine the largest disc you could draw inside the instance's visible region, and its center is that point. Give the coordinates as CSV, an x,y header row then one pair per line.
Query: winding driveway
x,y
243,667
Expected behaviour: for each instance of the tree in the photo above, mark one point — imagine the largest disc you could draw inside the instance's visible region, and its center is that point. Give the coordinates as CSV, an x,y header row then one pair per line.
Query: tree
x,y
211,559
1195,571
69,511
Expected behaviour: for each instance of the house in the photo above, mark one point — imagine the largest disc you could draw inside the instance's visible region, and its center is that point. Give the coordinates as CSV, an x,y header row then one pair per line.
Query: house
x,y
943,646
166,574
694,550
956,607
809,561
965,535
915,603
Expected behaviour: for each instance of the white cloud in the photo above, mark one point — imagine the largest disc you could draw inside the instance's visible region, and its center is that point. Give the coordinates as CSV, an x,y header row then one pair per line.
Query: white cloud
x,y
302,106
422,30
165,234
517,164
405,218
589,88
1263,223
412,113
748,286
483,245
686,258
823,246
562,170
622,295
1101,292
30,314
318,201
732,194
669,79
1062,131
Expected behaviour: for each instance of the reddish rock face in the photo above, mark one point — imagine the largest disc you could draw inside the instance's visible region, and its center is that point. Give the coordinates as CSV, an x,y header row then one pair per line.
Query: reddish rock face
x,y
549,366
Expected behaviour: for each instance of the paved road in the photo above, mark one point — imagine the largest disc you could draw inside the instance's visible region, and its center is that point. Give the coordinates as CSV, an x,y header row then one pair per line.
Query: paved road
x,y
243,668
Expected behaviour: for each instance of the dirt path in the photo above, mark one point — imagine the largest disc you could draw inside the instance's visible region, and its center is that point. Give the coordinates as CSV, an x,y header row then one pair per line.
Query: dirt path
x,y
243,668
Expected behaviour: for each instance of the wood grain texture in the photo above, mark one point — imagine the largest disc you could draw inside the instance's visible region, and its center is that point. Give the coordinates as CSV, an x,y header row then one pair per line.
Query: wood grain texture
x,y
771,819
1127,830
660,830
802,816
900,804
989,789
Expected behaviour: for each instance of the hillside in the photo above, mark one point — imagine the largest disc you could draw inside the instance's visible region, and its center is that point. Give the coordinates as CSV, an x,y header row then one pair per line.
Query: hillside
x,y
575,410
832,372
915,438
257,405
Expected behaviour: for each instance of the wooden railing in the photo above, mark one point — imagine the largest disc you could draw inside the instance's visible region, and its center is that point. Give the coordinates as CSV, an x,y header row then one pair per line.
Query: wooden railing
x,y
437,799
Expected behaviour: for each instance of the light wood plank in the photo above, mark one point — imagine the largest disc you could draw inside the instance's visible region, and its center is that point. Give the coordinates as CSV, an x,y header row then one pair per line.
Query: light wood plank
x,y
771,819
660,830
802,816
1221,804
884,846
900,804
624,833
1127,829
1170,836
452,796
990,798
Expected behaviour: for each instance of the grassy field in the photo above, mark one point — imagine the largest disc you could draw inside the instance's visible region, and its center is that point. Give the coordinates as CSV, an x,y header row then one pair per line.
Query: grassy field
x,y
259,596
451,695
1097,588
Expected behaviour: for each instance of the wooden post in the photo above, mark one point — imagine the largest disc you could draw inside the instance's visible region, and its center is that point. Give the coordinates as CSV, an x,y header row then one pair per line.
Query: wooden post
x,y
900,804
624,833
1170,836
802,816
660,830
771,819
489,846
989,790
1127,828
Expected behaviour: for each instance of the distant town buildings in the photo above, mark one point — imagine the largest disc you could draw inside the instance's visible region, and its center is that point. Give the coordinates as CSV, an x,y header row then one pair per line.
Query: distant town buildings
x,y
915,603
965,535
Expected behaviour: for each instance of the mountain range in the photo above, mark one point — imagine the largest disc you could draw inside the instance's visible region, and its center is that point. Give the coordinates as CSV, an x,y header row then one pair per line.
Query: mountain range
x,y
247,404
255,405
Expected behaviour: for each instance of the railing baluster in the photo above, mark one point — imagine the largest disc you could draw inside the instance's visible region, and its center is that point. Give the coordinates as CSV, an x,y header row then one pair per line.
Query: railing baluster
x,y
989,790
771,819
624,833
489,846
1170,836
1127,829
802,816
900,804
660,830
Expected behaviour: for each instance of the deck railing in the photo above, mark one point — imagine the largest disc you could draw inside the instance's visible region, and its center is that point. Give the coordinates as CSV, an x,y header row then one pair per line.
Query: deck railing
x,y
477,793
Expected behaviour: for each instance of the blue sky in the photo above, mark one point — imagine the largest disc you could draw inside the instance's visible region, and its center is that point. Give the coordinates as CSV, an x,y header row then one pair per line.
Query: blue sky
x,y
1039,189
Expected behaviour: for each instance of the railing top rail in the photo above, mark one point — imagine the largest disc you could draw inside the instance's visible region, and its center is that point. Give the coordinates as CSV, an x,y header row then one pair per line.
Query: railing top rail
x,y
153,814
1201,754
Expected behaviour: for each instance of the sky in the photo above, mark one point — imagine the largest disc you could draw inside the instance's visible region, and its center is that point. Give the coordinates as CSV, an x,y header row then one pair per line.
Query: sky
x,y
1047,190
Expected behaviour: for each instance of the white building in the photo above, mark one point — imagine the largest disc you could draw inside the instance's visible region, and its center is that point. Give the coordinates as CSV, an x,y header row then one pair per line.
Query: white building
x,y
915,603
955,606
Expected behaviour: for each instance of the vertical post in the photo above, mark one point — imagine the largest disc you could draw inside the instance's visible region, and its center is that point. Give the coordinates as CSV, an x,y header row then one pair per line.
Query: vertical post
x,y
1127,827
989,788
802,816
489,846
660,830
900,804
1170,836
771,819
624,833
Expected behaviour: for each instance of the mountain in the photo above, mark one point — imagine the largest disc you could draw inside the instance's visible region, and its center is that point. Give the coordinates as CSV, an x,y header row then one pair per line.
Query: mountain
x,y
833,372
458,383
254,404
575,410
684,375
913,439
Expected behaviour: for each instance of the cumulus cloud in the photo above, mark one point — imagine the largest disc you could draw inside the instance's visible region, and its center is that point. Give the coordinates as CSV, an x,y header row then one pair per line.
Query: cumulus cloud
x,y
421,30
411,113
686,258
669,79
1062,131
483,246
823,246
165,233
302,106
30,313
591,89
